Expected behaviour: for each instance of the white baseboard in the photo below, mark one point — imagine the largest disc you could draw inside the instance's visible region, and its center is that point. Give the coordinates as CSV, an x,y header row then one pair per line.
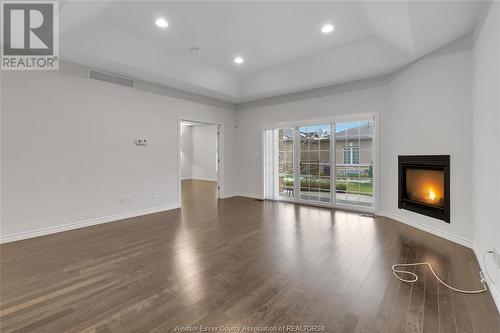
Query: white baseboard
x,y
242,194
83,224
249,195
200,178
443,234
492,287
228,195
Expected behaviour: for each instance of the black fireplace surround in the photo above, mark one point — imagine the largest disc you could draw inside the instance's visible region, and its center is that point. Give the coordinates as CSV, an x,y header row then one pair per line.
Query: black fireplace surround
x,y
419,164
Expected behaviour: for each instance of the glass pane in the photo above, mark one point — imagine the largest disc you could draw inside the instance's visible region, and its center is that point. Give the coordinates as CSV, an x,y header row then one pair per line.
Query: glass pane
x,y
313,156
354,163
324,189
353,128
365,157
304,170
314,169
341,190
324,156
315,164
324,170
324,139
352,142
366,128
340,131
285,162
366,187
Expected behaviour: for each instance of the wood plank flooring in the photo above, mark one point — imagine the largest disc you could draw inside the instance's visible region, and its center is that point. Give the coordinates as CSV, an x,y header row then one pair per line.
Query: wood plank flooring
x,y
239,262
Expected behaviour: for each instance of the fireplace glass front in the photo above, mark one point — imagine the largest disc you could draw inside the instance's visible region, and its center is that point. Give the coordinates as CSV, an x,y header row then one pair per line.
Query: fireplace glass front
x,y
424,185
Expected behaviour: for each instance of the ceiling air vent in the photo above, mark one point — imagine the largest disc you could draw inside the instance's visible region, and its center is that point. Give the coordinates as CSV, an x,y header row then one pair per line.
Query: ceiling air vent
x,y
111,78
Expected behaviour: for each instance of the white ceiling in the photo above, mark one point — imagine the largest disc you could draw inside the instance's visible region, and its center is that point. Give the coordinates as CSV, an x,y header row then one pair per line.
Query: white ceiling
x,y
281,42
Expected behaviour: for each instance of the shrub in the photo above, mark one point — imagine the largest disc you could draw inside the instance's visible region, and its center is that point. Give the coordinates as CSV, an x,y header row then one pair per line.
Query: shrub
x,y
341,187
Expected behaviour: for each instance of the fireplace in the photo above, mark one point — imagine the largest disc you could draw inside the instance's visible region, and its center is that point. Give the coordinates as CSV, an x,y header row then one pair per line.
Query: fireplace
x,y
424,185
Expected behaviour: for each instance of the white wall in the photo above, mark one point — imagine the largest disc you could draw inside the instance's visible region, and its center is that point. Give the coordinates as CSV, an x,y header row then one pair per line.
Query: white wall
x,y
430,113
204,152
199,152
486,141
186,152
68,153
425,109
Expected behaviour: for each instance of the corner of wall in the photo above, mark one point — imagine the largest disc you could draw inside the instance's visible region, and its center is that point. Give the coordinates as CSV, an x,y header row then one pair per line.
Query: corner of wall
x,y
492,287
428,228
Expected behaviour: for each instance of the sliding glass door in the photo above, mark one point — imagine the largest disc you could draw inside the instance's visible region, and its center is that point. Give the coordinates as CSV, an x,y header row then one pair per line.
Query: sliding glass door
x,y
354,156
286,163
309,161
315,170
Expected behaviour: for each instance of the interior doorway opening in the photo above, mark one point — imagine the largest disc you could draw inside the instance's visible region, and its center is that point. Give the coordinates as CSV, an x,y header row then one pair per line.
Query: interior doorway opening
x,y
199,161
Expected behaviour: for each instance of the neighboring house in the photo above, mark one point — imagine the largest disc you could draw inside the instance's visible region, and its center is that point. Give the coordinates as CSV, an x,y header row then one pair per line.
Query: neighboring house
x,y
353,152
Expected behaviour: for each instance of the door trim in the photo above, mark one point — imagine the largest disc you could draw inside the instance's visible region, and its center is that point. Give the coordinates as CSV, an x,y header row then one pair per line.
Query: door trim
x,y
220,157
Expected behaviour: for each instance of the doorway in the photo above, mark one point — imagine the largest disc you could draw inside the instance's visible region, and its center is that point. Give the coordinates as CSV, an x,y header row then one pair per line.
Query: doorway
x,y
199,162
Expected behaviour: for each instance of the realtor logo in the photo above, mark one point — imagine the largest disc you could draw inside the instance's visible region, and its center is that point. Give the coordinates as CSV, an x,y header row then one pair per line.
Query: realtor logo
x,y
30,33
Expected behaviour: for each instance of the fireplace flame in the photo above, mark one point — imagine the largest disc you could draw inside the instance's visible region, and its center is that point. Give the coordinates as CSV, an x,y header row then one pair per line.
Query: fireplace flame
x,y
432,194
425,186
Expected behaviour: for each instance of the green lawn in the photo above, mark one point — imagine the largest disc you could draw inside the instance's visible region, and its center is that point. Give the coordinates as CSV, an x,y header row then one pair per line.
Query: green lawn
x,y
352,186
364,188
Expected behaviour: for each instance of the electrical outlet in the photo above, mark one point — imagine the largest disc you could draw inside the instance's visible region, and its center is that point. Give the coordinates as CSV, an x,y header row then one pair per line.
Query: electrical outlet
x,y
141,142
123,199
154,195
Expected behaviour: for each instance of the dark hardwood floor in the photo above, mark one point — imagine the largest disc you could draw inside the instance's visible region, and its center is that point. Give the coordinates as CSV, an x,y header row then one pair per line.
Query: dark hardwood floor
x,y
239,262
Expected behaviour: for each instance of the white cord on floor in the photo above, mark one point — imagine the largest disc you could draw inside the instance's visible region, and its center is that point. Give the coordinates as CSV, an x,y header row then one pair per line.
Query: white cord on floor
x,y
486,266
415,277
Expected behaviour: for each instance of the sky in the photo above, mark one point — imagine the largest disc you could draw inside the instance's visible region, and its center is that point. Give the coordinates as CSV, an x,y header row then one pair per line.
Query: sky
x,y
338,128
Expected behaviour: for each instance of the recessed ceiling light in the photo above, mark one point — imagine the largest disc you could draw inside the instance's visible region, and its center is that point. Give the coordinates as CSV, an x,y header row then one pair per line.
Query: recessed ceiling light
x,y
239,60
327,28
161,22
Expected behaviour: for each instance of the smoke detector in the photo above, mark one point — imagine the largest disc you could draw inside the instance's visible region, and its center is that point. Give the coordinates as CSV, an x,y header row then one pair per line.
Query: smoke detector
x,y
195,50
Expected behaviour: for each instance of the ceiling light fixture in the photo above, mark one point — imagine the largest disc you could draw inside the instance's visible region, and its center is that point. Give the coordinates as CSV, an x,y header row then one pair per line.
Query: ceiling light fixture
x,y
239,60
327,28
161,22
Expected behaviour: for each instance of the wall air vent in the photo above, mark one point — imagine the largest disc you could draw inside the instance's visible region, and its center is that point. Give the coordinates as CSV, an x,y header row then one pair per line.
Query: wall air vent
x,y
111,78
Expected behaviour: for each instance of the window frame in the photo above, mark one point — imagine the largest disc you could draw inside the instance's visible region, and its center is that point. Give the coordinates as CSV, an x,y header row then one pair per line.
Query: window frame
x,y
351,150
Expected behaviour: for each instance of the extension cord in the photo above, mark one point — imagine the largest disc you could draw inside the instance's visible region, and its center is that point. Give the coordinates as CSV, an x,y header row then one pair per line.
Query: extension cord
x,y
415,277
492,252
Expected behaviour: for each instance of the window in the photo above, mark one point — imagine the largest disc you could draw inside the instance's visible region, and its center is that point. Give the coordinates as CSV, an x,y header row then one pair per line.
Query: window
x,y
330,163
351,155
